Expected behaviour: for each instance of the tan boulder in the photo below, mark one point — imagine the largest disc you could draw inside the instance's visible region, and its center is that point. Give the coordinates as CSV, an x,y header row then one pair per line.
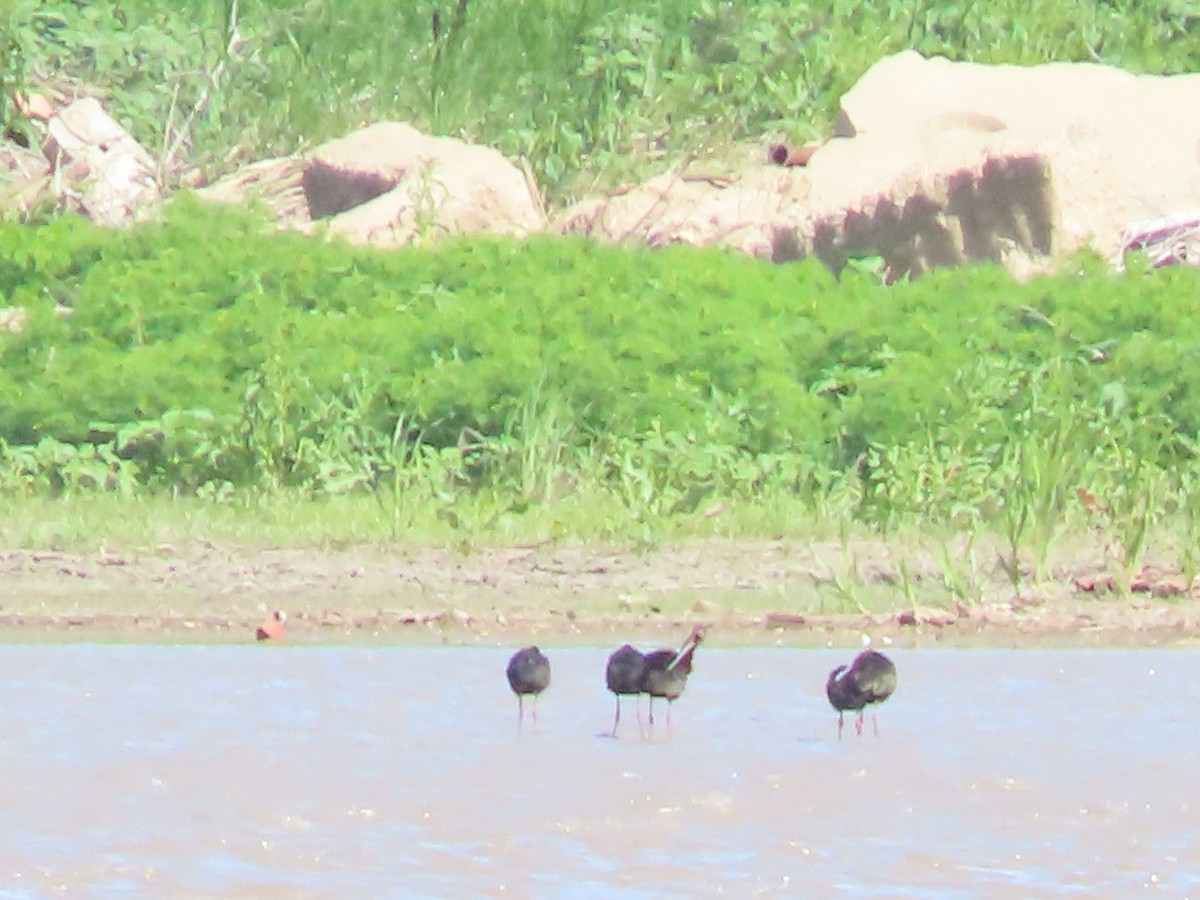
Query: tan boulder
x,y
937,163
1116,147
389,184
97,165
852,198
734,210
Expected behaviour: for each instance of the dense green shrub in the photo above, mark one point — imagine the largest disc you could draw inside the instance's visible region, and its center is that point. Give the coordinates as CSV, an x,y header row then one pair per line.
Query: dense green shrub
x,y
205,355
207,349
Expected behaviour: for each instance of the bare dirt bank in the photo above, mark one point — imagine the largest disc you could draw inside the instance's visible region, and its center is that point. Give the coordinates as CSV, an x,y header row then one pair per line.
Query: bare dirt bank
x,y
753,592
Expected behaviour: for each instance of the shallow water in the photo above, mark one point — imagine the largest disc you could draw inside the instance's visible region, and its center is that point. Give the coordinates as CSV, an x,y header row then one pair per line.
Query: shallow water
x,y
302,771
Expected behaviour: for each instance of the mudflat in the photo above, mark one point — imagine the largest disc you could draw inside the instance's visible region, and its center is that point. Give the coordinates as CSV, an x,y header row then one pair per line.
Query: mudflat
x,y
753,592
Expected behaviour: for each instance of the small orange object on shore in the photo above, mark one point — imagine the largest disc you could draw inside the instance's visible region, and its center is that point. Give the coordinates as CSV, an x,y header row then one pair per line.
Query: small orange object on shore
x,y
272,628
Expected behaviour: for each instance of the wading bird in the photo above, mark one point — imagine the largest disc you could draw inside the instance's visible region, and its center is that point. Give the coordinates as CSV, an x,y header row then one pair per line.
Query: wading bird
x,y
667,671
272,627
870,679
528,673
623,676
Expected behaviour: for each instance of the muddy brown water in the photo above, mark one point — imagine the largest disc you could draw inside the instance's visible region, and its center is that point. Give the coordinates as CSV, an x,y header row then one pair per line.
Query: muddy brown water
x,y
193,771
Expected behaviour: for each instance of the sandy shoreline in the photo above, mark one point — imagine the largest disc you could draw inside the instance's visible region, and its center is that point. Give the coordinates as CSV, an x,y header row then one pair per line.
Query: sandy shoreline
x,y
753,592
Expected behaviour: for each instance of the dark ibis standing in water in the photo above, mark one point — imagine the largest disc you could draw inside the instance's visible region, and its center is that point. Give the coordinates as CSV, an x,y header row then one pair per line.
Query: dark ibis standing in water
x,y
667,671
624,674
870,679
528,674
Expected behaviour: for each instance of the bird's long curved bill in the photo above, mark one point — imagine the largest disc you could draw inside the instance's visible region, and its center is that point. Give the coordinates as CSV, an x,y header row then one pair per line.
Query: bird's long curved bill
x,y
683,652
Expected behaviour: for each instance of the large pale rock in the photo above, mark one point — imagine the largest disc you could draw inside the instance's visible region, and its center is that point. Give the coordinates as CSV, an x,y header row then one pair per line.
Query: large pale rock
x,y
97,165
929,205
1117,147
914,202
389,184
936,163
694,207
416,186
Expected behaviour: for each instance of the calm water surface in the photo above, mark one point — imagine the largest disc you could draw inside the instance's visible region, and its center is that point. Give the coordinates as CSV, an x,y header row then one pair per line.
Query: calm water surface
x,y
303,771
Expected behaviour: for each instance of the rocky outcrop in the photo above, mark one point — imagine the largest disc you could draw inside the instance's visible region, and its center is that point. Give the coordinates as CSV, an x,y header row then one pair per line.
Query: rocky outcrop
x,y
739,210
86,162
931,163
1113,145
935,163
389,184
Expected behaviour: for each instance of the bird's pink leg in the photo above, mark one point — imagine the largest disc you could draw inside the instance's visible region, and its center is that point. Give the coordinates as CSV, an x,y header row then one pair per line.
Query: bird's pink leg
x,y
858,723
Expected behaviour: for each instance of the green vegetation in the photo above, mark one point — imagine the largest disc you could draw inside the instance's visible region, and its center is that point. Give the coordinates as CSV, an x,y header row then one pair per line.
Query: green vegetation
x,y
586,91
504,390
484,390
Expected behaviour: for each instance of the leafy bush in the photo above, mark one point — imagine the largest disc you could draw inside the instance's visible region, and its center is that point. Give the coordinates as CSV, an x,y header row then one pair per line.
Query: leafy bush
x,y
208,349
479,382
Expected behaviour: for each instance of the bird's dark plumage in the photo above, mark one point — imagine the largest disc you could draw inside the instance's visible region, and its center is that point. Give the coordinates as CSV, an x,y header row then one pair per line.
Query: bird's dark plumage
x,y
623,676
624,672
869,679
667,671
528,674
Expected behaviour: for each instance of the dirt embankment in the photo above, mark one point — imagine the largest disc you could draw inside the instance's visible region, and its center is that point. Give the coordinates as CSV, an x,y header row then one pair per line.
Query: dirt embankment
x,y
753,592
